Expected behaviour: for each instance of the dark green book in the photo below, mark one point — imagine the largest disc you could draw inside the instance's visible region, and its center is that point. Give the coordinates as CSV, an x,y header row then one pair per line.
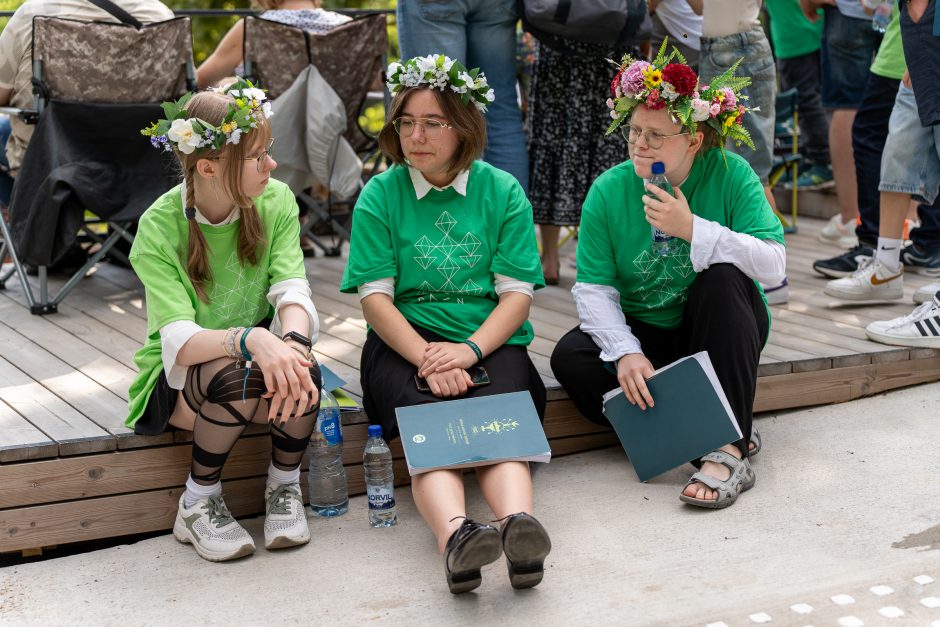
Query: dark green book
x,y
472,432
690,417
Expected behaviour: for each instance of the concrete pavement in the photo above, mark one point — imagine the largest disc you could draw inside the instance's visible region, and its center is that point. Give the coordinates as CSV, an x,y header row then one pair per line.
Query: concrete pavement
x,y
846,500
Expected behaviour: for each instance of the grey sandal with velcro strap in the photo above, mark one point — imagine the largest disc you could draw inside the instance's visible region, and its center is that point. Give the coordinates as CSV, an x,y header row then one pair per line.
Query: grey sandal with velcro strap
x,y
756,441
742,478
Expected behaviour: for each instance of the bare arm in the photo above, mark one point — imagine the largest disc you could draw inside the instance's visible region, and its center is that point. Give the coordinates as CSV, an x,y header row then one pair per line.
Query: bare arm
x,y
385,319
223,61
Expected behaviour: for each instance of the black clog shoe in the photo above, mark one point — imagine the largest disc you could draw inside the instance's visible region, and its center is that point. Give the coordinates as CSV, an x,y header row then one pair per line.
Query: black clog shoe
x,y
526,544
469,548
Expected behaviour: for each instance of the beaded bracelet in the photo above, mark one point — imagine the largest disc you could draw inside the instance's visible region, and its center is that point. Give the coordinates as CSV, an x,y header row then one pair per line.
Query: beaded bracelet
x,y
476,349
228,342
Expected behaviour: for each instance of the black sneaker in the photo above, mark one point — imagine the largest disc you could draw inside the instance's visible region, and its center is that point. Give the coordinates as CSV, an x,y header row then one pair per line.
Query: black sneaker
x,y
919,261
844,264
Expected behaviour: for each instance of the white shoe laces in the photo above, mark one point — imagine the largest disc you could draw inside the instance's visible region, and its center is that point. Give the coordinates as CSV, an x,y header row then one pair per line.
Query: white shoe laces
x,y
922,311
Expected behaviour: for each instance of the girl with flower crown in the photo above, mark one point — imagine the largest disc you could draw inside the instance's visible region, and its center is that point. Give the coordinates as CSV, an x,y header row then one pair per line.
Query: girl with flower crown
x,y
444,259
229,316
642,310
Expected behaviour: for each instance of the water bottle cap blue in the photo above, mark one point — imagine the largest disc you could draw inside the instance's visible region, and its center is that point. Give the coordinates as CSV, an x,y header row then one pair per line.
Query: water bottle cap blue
x,y
375,431
659,168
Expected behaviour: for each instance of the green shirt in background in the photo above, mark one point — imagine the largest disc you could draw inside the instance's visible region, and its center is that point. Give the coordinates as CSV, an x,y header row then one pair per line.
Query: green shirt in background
x,y
615,242
889,62
791,33
237,294
444,249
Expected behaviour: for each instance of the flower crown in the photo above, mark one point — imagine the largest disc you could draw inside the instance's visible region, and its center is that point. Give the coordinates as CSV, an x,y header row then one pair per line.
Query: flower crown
x,y
675,86
439,72
190,134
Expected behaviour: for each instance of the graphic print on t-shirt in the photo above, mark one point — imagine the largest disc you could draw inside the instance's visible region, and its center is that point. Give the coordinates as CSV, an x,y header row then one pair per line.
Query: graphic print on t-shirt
x,y
446,263
656,273
232,295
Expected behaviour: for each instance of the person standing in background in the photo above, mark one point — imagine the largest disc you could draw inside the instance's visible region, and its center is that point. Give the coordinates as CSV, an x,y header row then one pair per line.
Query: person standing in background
x,y
676,20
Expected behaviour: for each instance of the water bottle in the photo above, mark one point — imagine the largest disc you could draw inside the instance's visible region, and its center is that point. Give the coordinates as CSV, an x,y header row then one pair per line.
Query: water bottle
x,y
663,244
327,477
380,485
879,21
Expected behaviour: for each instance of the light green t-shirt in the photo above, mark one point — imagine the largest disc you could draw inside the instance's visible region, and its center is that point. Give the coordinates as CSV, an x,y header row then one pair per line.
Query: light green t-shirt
x,y
444,249
890,62
237,293
615,242
791,33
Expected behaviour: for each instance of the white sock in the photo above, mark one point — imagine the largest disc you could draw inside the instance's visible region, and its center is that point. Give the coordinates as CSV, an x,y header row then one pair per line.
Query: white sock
x,y
195,491
281,477
889,253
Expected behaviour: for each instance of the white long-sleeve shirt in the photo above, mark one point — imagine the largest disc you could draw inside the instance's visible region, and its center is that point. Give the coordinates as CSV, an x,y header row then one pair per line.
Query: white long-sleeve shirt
x,y
599,305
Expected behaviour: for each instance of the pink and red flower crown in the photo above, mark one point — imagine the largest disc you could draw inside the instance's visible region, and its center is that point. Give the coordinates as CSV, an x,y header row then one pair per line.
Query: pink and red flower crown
x,y
663,84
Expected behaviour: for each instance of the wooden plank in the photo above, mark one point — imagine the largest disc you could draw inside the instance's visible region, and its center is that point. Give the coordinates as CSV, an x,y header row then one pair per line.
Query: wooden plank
x,y
100,405
20,440
62,423
841,384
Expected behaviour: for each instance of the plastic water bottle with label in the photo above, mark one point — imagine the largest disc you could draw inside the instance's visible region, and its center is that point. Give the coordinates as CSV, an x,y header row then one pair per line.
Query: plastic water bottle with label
x,y
380,479
327,477
663,243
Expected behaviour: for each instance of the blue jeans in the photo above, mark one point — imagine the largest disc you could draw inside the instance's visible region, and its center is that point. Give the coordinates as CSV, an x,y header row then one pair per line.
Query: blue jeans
x,y
6,182
478,33
757,61
848,47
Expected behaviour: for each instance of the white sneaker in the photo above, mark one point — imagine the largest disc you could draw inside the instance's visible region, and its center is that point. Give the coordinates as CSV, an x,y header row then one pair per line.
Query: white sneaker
x,y
920,328
839,233
872,281
285,519
209,526
777,294
926,293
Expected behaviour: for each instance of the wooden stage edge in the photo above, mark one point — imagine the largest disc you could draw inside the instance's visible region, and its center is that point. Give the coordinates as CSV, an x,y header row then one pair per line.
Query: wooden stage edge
x,y
85,497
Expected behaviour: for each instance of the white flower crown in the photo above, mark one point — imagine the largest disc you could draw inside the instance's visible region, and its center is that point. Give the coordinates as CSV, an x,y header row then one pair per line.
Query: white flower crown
x,y
440,72
190,134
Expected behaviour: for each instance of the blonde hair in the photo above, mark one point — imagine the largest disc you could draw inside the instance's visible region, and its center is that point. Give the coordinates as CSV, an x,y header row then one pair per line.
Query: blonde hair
x,y
212,107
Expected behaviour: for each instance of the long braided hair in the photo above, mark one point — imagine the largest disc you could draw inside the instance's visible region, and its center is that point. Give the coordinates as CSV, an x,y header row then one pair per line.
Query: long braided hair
x,y
212,107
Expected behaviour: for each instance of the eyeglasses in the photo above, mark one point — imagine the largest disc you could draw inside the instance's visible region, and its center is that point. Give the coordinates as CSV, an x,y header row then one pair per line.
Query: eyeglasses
x,y
261,159
432,128
654,139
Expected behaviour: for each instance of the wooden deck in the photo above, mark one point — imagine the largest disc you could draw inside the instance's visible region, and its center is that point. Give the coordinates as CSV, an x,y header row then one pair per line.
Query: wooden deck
x,y
70,471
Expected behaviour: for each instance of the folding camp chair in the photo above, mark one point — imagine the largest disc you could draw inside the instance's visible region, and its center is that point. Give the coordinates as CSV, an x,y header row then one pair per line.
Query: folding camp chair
x,y
349,58
787,157
87,170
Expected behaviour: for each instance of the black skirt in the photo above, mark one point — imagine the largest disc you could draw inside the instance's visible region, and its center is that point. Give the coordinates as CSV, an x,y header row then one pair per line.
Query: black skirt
x,y
388,379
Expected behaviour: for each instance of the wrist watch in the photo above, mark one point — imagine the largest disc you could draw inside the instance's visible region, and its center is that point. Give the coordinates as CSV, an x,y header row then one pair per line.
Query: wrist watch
x,y
304,341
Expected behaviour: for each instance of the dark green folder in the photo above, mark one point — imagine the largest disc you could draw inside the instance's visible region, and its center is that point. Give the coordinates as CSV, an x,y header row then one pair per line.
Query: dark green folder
x,y
690,417
472,432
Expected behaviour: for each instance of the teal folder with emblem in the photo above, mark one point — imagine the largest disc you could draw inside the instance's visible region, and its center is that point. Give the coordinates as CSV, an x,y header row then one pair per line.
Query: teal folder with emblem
x,y
690,417
472,432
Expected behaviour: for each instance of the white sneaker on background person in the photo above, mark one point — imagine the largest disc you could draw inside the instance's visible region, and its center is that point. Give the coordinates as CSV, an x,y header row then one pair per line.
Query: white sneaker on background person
x,y
839,233
920,328
777,294
872,281
926,293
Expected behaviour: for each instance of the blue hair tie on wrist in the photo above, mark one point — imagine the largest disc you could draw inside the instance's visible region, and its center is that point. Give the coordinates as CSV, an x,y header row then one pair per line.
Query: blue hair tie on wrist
x,y
247,357
476,349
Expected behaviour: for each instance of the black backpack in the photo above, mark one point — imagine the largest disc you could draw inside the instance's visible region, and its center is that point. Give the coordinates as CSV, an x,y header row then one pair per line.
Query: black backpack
x,y
610,23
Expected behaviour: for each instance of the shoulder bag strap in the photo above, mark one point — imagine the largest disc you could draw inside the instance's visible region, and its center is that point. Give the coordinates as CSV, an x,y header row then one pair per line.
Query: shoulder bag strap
x,y
118,12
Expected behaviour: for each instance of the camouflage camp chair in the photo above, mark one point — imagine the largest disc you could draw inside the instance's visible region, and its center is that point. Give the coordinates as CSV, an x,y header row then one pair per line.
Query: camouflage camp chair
x,y
350,58
87,170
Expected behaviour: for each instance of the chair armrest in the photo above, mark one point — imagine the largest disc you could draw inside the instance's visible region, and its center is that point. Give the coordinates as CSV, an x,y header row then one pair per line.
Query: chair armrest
x,y
29,116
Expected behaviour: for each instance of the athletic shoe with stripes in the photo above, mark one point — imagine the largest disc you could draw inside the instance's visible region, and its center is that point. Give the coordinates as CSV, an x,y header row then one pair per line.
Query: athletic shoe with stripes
x,y
921,328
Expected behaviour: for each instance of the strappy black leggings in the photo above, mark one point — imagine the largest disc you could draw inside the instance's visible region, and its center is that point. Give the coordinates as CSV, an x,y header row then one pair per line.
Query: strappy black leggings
x,y
225,401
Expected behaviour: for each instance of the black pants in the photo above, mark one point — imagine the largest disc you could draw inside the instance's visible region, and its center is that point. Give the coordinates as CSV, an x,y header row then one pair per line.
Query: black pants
x,y
803,73
388,379
725,315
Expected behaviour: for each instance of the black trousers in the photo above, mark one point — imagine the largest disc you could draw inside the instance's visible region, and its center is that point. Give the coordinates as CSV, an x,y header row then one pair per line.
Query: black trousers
x,y
725,315
803,72
388,379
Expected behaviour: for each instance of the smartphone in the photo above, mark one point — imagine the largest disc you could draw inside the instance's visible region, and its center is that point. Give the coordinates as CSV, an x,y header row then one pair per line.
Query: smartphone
x,y
478,376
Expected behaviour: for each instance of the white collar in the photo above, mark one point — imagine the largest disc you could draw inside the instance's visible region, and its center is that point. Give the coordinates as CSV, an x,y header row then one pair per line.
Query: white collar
x,y
201,219
422,186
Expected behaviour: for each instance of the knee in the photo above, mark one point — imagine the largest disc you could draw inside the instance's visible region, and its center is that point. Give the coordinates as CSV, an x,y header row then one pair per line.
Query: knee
x,y
720,280
234,383
564,356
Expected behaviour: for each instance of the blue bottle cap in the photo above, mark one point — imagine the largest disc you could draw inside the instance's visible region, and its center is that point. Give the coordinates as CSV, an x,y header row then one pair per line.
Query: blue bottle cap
x,y
659,167
375,431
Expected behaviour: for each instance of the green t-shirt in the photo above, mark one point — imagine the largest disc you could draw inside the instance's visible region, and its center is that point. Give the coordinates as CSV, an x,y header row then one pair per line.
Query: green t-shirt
x,y
237,293
444,249
889,62
615,241
792,34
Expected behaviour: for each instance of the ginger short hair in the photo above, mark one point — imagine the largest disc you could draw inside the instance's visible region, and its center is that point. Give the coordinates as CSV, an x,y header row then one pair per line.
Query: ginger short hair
x,y
467,122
